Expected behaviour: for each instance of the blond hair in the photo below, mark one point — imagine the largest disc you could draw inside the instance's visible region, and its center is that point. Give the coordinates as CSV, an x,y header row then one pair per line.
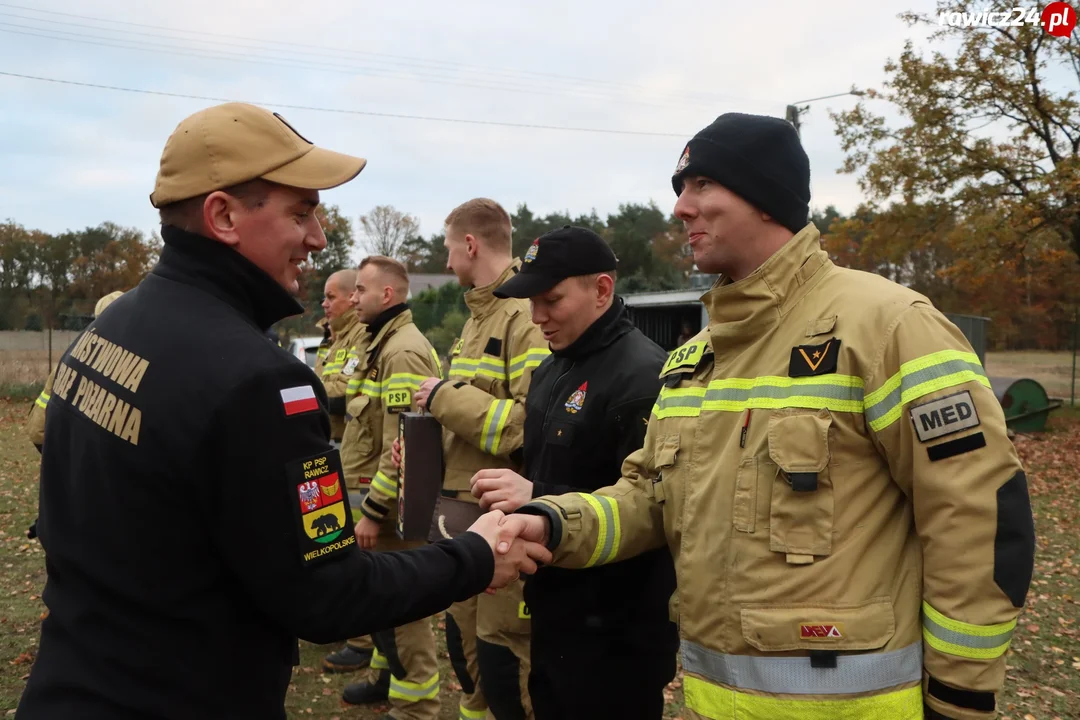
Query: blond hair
x,y
484,218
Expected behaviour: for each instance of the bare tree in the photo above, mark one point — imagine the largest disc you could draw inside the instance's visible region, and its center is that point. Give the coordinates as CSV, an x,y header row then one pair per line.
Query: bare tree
x,y
386,231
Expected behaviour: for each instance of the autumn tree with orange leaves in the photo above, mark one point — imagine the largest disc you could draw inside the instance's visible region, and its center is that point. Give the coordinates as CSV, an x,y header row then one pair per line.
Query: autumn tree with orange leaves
x,y
974,198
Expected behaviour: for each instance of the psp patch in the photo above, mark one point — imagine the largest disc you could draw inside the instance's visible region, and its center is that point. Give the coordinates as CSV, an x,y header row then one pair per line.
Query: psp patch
x,y
324,521
397,401
809,360
685,357
944,416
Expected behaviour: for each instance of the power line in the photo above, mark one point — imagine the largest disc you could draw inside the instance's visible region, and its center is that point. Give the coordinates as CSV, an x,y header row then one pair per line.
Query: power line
x,y
158,48
341,111
378,57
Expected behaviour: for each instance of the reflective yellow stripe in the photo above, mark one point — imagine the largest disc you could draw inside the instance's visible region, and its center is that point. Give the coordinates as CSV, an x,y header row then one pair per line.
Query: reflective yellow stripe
x,y
438,364
486,366
375,389
716,702
840,393
494,423
43,399
920,377
982,642
530,359
379,661
332,368
414,692
465,713
608,528
384,484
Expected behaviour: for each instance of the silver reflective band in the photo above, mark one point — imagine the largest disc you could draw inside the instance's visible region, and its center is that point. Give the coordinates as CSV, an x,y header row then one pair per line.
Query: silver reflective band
x,y
981,642
793,675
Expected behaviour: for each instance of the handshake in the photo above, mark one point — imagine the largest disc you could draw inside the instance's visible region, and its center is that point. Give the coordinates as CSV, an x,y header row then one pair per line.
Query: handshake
x,y
519,543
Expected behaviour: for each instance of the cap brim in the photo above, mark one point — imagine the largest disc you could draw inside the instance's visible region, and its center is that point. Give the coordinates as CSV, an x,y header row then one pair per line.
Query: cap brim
x,y
526,285
318,169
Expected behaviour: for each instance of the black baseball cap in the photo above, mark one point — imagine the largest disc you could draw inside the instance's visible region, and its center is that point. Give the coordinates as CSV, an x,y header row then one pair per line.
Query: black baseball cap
x,y
567,252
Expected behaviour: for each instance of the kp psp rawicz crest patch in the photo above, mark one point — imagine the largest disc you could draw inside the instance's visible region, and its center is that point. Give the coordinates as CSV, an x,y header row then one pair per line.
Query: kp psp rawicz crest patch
x,y
321,506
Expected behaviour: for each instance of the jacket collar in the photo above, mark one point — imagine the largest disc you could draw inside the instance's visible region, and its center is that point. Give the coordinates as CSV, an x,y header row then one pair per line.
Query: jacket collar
x,y
481,300
387,322
343,324
740,311
609,327
217,269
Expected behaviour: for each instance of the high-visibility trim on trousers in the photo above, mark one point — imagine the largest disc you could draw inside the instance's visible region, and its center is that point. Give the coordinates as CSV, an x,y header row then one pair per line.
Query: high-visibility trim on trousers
x,y
494,424
414,692
379,661
465,713
919,377
720,703
853,674
43,399
981,642
609,532
840,393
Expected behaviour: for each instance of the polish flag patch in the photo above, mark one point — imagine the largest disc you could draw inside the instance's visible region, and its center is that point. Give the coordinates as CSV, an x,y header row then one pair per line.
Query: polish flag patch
x,y
299,399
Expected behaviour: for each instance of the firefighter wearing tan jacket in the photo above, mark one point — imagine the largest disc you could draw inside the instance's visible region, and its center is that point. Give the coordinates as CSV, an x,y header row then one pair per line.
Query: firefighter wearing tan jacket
x,y
342,356
398,357
850,524
481,406
338,358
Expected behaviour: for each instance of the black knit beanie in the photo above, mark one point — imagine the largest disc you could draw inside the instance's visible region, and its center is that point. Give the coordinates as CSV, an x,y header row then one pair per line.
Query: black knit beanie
x,y
758,158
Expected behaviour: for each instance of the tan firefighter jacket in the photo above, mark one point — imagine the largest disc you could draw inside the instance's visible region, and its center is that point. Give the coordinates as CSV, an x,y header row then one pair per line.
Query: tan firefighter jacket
x,y
35,423
850,523
339,365
397,359
481,405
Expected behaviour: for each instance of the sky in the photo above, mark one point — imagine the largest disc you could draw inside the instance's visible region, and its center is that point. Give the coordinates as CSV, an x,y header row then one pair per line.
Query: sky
x,y
74,156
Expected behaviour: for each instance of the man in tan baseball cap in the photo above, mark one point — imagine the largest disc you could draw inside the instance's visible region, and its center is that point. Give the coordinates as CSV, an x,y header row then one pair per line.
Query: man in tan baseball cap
x,y
242,175
192,507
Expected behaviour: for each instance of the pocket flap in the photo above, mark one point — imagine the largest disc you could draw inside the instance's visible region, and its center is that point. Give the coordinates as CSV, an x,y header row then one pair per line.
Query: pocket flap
x,y
799,443
356,406
775,628
668,451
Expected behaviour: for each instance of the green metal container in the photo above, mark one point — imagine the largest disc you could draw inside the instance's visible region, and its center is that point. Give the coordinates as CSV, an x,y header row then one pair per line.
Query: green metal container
x,y
1025,402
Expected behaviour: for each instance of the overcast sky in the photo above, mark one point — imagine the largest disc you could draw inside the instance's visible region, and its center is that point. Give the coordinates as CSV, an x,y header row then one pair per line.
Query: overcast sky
x,y
72,157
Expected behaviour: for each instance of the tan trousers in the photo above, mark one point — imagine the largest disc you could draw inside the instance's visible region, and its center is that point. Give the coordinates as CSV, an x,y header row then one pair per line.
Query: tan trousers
x,y
461,642
408,652
503,628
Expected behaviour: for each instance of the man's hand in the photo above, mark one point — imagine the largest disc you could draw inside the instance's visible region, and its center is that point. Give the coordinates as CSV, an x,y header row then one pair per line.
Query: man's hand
x,y
531,528
421,396
513,555
395,453
367,532
501,489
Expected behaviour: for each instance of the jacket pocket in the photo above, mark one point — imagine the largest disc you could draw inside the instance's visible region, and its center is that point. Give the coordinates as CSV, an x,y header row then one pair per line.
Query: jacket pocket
x,y
801,508
664,459
860,626
359,437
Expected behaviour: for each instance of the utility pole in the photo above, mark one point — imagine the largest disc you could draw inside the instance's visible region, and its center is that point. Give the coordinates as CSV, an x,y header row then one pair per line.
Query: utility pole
x,y
794,110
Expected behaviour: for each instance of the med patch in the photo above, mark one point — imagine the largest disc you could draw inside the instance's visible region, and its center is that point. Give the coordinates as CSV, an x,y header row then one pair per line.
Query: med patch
x,y
944,416
324,521
809,360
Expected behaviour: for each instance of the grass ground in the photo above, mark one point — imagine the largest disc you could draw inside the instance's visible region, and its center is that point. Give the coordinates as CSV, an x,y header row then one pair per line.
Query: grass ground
x,y
1043,680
